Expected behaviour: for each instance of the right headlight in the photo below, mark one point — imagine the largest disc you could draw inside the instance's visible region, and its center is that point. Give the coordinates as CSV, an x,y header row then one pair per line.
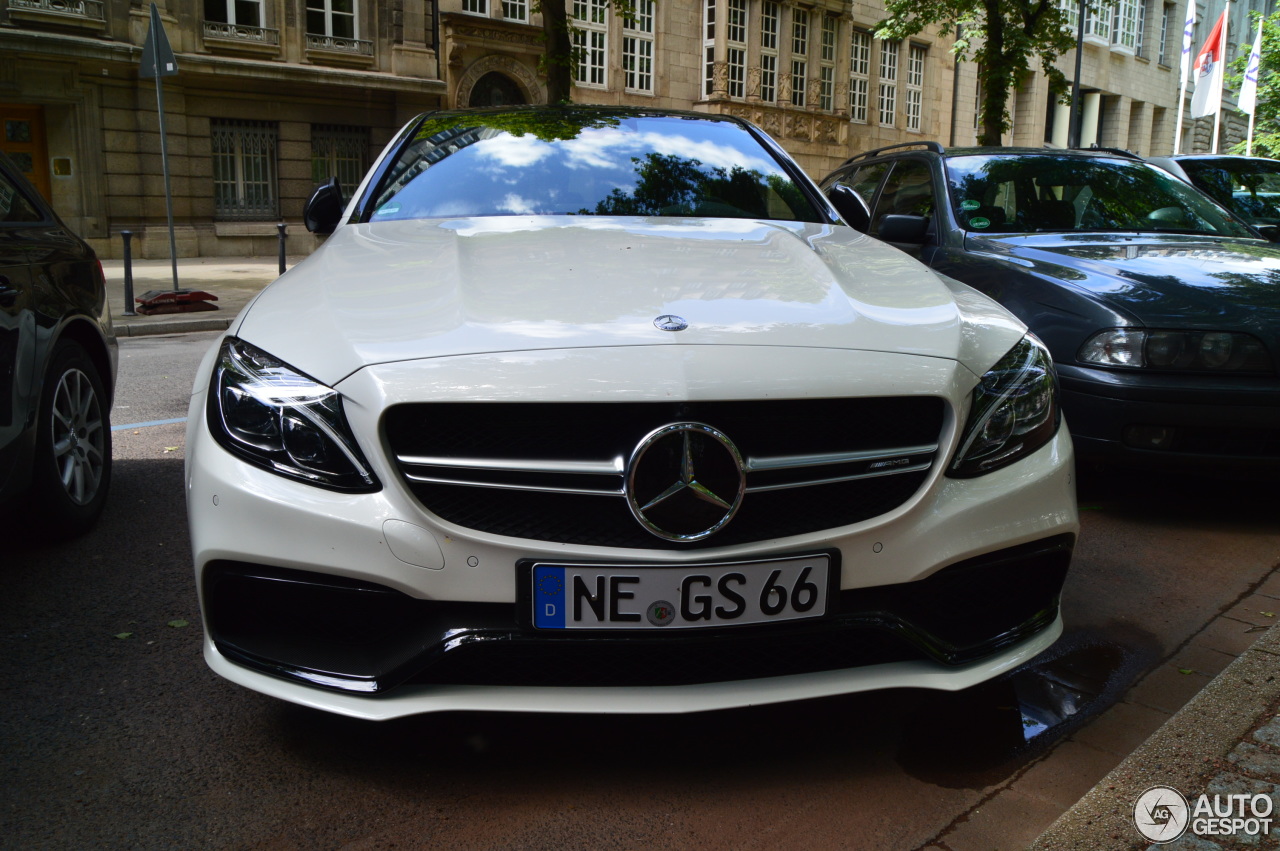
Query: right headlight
x,y
275,417
1014,412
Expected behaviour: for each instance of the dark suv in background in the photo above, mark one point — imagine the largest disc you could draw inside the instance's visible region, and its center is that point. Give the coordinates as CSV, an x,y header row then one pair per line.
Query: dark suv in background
x,y
1161,308
57,364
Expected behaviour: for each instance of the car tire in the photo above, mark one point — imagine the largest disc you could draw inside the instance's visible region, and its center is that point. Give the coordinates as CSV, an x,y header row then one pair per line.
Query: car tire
x,y
72,468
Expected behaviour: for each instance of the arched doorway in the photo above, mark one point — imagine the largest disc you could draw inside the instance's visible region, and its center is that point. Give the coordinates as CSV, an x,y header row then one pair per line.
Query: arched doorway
x,y
496,89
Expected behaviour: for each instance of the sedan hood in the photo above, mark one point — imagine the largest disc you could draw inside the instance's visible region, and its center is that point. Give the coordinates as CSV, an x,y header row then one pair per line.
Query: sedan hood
x,y
401,291
1160,279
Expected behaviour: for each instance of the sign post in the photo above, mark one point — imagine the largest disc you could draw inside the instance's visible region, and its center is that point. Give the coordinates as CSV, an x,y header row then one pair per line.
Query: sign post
x,y
158,61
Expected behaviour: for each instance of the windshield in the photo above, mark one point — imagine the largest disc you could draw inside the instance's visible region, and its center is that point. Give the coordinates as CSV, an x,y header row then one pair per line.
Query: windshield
x,y
1047,193
584,162
1248,188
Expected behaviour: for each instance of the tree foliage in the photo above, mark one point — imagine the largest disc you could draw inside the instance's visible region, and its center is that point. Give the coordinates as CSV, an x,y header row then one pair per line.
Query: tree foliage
x,y
1266,134
1002,36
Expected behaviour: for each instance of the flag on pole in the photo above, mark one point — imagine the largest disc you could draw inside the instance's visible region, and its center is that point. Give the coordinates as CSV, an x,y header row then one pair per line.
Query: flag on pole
x,y
1248,100
1188,31
1210,71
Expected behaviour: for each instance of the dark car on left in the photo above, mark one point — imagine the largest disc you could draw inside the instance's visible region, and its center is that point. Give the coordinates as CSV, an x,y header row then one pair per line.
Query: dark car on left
x,y
57,364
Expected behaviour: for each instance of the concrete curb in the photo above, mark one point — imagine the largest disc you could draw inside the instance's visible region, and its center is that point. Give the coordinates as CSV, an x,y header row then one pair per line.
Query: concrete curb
x,y
184,326
1189,753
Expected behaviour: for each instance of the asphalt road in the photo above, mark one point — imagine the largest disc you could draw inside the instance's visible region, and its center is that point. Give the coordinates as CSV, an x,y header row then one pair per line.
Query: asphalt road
x,y
114,734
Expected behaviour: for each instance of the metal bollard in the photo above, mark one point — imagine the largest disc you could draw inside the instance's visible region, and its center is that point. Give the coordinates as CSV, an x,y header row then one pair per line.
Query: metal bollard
x,y
280,228
128,274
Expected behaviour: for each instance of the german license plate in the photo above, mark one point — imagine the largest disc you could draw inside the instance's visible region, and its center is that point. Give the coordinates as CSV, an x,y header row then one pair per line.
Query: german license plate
x,y
594,596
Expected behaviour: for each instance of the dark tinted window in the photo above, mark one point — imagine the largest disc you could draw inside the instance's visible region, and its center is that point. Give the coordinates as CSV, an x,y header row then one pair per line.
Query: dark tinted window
x,y
1249,188
585,162
14,206
1044,193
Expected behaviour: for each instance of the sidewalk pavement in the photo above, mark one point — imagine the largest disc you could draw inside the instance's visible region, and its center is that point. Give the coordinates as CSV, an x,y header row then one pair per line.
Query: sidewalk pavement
x,y
234,280
1224,740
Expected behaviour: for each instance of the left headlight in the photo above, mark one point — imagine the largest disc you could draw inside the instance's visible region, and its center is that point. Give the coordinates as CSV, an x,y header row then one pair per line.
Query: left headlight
x,y
1014,412
276,418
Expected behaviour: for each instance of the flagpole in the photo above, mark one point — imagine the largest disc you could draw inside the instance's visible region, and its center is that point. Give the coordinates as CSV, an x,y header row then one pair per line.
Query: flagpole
x,y
1188,29
1222,77
1248,145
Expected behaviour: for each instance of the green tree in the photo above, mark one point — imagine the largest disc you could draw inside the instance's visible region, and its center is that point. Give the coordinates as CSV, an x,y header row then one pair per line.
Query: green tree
x,y
1266,133
561,55
1002,36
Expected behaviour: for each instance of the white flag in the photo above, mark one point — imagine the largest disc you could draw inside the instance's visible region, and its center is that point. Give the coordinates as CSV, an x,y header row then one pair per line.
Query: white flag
x,y
1248,101
1188,32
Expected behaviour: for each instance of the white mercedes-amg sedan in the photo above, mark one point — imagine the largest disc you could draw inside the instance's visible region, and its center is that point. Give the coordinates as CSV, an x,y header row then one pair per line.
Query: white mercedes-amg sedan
x,y
609,410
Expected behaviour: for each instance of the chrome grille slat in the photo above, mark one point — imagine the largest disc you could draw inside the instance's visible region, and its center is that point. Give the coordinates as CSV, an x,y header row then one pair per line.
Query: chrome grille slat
x,y
538,471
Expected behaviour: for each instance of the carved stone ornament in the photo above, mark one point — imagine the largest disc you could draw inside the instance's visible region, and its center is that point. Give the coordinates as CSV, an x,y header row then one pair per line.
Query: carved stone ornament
x,y
514,68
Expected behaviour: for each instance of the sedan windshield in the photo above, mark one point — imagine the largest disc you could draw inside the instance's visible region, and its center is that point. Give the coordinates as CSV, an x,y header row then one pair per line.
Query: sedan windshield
x,y
585,162
1250,188
1047,193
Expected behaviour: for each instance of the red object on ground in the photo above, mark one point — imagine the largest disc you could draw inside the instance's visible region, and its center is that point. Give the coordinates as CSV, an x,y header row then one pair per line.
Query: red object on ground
x,y
175,301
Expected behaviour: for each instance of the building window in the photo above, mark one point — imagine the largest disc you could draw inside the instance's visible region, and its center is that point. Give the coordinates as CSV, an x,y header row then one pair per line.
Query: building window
x,y
915,86
590,37
476,7
244,170
769,20
827,64
708,47
1140,47
1071,11
799,56
333,18
1124,25
637,49
889,81
1166,27
859,75
244,13
1097,24
341,152
736,52
516,10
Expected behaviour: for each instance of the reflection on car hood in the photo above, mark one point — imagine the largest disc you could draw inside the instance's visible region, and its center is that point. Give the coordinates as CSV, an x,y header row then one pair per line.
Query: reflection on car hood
x,y
1160,278
398,291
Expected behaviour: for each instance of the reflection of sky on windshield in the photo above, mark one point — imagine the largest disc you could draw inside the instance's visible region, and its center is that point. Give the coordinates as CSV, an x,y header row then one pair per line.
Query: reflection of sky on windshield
x,y
606,147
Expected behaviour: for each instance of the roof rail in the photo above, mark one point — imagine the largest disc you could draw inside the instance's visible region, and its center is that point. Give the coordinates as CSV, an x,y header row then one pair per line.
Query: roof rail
x,y
1121,152
935,147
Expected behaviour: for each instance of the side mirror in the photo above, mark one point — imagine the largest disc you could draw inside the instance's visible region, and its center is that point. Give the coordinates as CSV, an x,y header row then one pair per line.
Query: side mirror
x,y
323,209
901,229
850,206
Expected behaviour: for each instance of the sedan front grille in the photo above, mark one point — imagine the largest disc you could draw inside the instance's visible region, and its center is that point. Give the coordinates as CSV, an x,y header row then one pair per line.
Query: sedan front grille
x,y
557,472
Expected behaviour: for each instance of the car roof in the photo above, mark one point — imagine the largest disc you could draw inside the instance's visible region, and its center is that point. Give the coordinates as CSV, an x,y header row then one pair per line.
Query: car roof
x,y
937,148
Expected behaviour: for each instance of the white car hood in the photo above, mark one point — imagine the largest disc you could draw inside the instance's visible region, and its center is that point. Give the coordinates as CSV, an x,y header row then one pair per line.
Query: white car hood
x,y
403,291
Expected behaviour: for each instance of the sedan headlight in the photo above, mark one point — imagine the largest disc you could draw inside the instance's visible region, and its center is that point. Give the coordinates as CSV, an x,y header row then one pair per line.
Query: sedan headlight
x,y
276,418
1014,412
1180,351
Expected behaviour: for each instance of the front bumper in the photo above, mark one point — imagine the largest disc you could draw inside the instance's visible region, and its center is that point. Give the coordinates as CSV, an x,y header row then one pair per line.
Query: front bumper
x,y
442,631
1173,421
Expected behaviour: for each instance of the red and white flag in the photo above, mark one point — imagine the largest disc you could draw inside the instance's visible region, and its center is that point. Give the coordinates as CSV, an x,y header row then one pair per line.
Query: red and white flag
x,y
1210,70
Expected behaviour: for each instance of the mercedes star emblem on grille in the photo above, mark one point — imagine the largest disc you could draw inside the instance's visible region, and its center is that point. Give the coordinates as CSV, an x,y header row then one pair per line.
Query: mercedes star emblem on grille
x,y
685,481
670,322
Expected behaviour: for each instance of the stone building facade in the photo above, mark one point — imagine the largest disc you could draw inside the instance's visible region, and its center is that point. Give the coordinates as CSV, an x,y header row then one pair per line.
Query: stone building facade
x,y
273,96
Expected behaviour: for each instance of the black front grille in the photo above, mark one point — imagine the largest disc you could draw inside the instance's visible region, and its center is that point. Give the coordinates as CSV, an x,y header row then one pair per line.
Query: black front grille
x,y
688,660
532,433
